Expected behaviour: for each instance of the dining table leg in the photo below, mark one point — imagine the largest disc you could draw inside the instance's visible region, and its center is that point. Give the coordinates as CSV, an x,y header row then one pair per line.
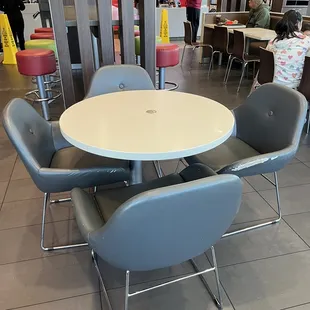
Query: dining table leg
x,y
136,172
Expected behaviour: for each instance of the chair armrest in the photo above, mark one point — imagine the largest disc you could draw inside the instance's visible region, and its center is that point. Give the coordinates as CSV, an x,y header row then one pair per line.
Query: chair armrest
x,y
196,171
59,141
260,164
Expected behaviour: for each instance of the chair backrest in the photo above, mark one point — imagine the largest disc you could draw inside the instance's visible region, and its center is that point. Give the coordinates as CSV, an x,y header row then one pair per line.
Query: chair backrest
x,y
304,86
188,33
220,39
266,67
111,79
30,133
239,44
167,226
272,118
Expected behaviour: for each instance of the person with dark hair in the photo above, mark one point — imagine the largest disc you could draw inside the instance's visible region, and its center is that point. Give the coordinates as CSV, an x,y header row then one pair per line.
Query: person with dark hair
x,y
13,10
193,15
290,48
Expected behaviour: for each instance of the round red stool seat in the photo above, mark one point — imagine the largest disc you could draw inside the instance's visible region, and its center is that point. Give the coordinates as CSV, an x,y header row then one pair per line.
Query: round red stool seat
x,y
36,62
167,55
42,35
137,33
43,30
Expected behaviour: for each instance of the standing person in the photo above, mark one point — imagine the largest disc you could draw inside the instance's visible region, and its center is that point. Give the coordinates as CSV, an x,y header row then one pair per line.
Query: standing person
x,y
13,10
193,15
259,16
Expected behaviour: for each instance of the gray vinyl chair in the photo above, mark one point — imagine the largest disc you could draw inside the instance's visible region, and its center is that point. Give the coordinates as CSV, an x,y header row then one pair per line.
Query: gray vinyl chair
x,y
160,223
111,79
267,133
55,165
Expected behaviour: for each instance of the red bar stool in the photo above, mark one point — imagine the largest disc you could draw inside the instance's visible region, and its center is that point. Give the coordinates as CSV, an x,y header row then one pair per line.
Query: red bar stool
x,y
167,55
42,35
38,63
44,30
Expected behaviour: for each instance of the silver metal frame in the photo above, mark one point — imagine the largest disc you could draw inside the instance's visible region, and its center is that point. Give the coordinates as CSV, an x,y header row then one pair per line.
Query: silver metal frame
x,y
308,122
211,60
229,65
158,169
216,299
162,81
271,222
48,202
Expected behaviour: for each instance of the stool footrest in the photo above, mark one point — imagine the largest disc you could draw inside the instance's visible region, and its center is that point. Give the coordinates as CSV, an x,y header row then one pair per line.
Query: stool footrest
x,y
173,84
34,96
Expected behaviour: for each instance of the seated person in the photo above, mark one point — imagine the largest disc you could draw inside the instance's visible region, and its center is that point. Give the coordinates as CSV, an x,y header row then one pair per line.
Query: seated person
x,y
290,47
306,30
259,16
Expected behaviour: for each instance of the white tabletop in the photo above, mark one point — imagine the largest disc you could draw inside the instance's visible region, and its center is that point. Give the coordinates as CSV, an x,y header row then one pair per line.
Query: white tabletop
x,y
147,125
259,34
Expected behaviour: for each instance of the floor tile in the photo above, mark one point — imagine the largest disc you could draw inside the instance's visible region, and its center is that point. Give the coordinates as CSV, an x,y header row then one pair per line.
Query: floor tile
x,y
247,188
47,279
6,167
274,240
300,223
85,302
184,295
22,189
170,166
19,171
3,188
115,278
293,199
29,212
273,284
6,149
291,175
24,243
253,207
303,153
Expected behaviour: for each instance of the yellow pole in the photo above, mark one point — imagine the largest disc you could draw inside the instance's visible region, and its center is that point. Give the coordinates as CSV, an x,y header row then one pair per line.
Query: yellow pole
x,y
164,27
8,42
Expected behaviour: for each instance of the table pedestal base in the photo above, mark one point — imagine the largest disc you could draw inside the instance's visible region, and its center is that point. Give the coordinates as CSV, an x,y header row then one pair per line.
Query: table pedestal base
x,y
136,172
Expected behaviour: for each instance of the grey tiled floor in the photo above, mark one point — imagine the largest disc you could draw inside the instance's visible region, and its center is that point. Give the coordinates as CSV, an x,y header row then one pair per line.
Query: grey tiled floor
x,y
267,269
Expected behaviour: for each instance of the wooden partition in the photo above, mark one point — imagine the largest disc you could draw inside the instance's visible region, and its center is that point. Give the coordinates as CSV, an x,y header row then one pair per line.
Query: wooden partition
x,y
97,14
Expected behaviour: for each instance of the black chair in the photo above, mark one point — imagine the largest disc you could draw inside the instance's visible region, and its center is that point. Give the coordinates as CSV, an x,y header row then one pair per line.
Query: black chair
x,y
220,43
239,53
267,134
304,86
160,223
188,35
266,67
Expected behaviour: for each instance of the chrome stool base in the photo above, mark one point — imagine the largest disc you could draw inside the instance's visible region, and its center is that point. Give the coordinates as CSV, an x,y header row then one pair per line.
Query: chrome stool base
x,y
43,96
162,81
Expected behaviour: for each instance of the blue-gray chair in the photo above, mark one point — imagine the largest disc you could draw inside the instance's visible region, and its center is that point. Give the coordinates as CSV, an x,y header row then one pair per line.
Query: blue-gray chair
x,y
111,79
54,164
267,134
160,223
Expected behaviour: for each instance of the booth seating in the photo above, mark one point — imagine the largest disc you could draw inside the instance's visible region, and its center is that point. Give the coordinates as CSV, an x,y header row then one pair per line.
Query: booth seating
x,y
44,30
167,55
43,35
37,63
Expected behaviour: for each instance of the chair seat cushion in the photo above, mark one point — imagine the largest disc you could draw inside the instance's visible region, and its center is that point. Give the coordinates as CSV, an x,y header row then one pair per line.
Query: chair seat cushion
x,y
230,151
72,158
93,213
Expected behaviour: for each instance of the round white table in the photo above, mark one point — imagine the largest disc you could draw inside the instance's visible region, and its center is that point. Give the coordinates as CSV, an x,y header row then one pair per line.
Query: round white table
x,y
146,126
